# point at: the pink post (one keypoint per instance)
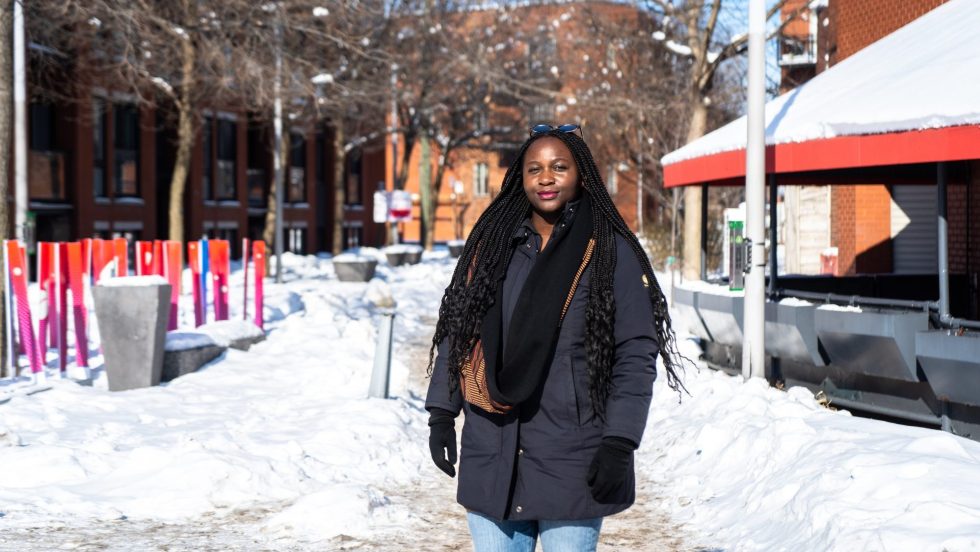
(245, 279)
(258, 256)
(18, 276)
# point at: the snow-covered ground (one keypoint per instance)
(279, 448)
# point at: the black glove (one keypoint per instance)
(610, 468)
(442, 439)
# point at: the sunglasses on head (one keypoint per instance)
(543, 128)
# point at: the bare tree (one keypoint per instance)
(171, 53)
(700, 33)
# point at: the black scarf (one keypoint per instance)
(515, 373)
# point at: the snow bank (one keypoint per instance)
(754, 468)
(286, 426)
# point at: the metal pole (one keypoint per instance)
(753, 354)
(773, 232)
(704, 232)
(20, 124)
(277, 160)
(381, 375)
(394, 142)
(943, 243)
(639, 182)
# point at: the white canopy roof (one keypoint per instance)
(925, 75)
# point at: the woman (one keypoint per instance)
(555, 294)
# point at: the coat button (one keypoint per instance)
(518, 509)
(520, 452)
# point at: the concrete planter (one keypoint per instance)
(133, 314)
(187, 352)
(951, 364)
(399, 255)
(791, 332)
(870, 341)
(722, 316)
(355, 270)
(456, 248)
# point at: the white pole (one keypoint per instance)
(277, 160)
(20, 124)
(753, 349)
(639, 182)
(381, 375)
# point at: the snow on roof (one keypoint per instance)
(922, 76)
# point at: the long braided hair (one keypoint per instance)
(473, 286)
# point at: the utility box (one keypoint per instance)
(737, 255)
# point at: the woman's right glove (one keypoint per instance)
(442, 440)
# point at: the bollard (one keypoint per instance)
(381, 375)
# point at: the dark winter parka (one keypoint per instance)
(531, 463)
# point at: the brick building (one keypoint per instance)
(479, 173)
(875, 227)
(100, 164)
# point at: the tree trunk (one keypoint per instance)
(692, 199)
(185, 143)
(6, 100)
(436, 188)
(269, 232)
(340, 160)
(425, 192)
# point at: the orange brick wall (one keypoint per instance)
(956, 216)
(858, 23)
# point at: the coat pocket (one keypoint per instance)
(578, 371)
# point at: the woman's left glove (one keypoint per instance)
(442, 440)
(610, 469)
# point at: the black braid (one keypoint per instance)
(469, 296)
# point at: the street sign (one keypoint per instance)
(380, 206)
(400, 207)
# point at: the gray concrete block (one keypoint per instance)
(186, 352)
(360, 270)
(456, 248)
(133, 314)
(236, 334)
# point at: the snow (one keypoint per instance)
(320, 11)
(183, 341)
(707, 287)
(322, 78)
(908, 80)
(226, 332)
(403, 248)
(285, 432)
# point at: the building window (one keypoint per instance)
(480, 180)
(612, 183)
(42, 127)
(352, 188)
(542, 113)
(207, 146)
(296, 192)
(353, 234)
(225, 183)
(257, 161)
(46, 165)
(296, 240)
(99, 147)
(126, 150)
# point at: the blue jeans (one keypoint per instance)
(520, 536)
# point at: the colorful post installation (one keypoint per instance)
(61, 303)
(220, 267)
(245, 279)
(121, 256)
(25, 327)
(173, 265)
(258, 260)
(194, 260)
(76, 284)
